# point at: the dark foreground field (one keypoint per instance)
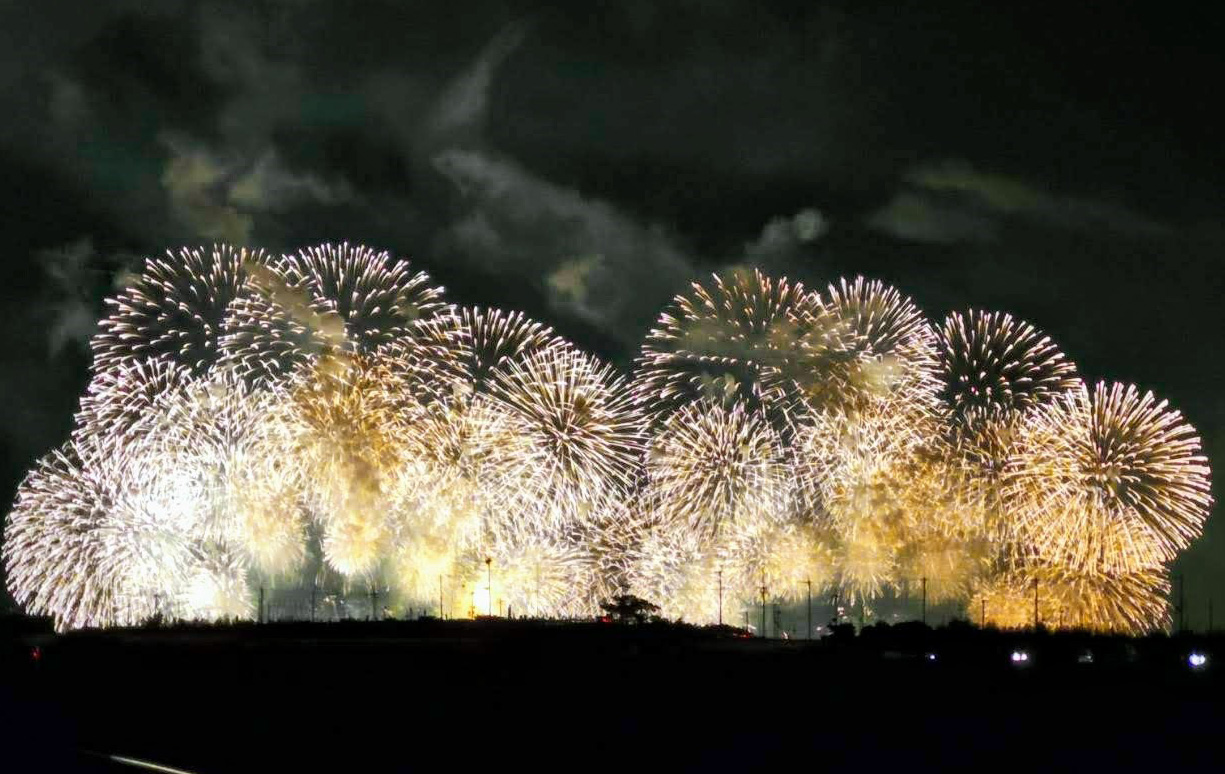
(512, 696)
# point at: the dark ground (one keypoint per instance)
(513, 696)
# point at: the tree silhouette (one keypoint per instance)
(627, 608)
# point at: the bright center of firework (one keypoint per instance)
(480, 600)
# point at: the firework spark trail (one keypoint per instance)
(326, 413)
(466, 346)
(784, 558)
(348, 444)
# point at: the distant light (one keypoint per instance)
(1197, 660)
(931, 656)
(1019, 657)
(1085, 658)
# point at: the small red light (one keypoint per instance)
(36, 653)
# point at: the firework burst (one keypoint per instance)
(577, 432)
(120, 399)
(324, 300)
(94, 539)
(712, 464)
(990, 362)
(1109, 481)
(175, 310)
(684, 573)
(735, 340)
(866, 343)
(324, 418)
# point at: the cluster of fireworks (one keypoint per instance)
(326, 419)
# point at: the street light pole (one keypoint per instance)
(720, 597)
(808, 582)
(489, 581)
(1035, 604)
(925, 601)
(763, 605)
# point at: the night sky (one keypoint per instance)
(582, 165)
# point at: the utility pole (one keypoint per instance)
(808, 582)
(261, 604)
(1035, 604)
(489, 580)
(924, 601)
(440, 596)
(720, 597)
(373, 596)
(763, 605)
(982, 621)
(314, 589)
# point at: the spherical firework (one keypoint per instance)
(734, 340)
(94, 537)
(215, 432)
(865, 343)
(424, 565)
(1132, 603)
(119, 401)
(175, 310)
(991, 362)
(582, 432)
(712, 464)
(611, 544)
(326, 299)
(1111, 481)
(464, 347)
(325, 414)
